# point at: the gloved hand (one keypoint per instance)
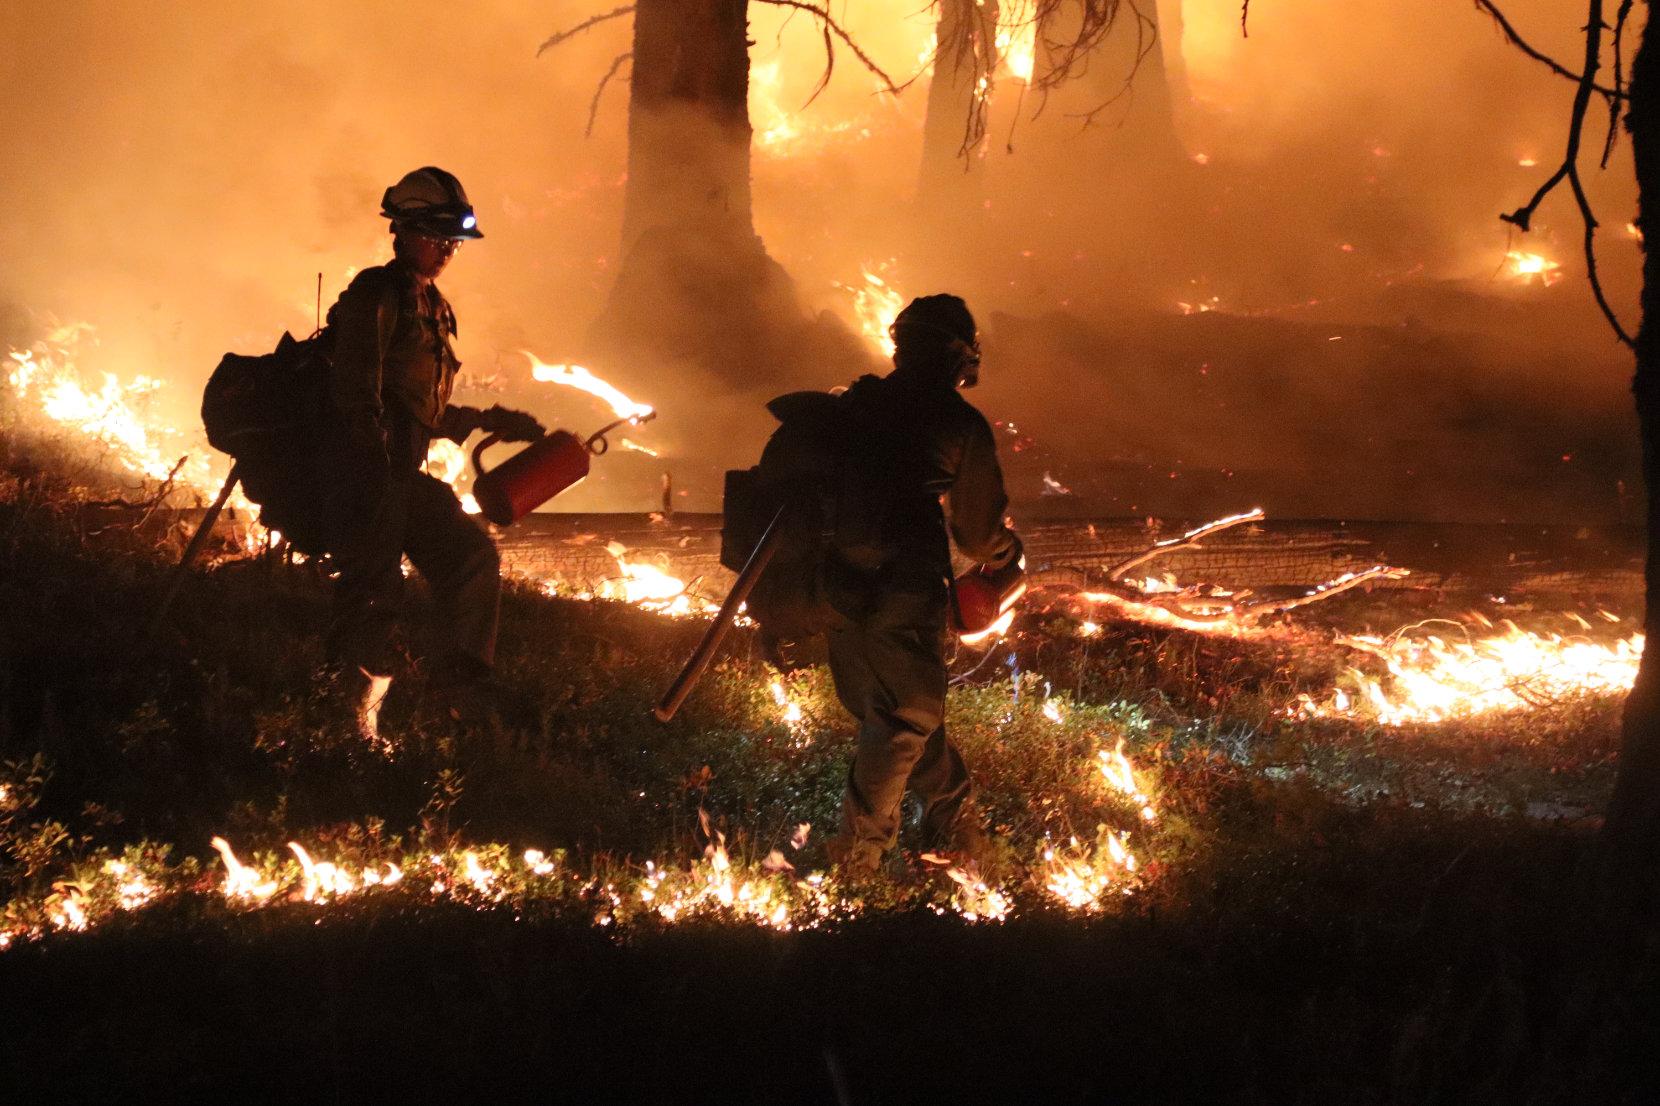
(510, 425)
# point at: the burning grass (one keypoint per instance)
(1170, 825)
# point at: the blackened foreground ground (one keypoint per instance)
(1393, 960)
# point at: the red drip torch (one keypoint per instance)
(538, 472)
(980, 597)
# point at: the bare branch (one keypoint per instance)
(1569, 169)
(593, 106)
(1519, 43)
(591, 21)
(1146, 41)
(829, 22)
(1245, 19)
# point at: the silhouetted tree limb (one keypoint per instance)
(593, 106)
(1521, 44)
(1569, 169)
(830, 26)
(591, 21)
(1245, 19)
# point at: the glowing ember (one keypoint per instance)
(575, 376)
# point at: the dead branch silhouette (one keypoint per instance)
(593, 105)
(591, 21)
(1522, 217)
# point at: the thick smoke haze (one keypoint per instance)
(1320, 198)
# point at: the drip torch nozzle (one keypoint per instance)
(597, 444)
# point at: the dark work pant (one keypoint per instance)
(420, 517)
(889, 670)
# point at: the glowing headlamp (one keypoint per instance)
(468, 222)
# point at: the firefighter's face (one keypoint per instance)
(427, 256)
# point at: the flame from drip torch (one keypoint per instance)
(582, 379)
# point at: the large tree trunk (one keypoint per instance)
(965, 54)
(1634, 815)
(1122, 89)
(688, 119)
(696, 286)
(1171, 29)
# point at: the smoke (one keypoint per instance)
(179, 174)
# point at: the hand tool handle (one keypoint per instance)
(204, 530)
(716, 633)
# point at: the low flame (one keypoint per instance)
(649, 587)
(1431, 679)
(792, 710)
(241, 881)
(765, 892)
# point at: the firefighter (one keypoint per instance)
(391, 374)
(887, 643)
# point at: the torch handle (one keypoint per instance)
(716, 633)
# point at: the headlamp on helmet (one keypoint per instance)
(430, 202)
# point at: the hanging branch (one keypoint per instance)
(591, 21)
(1245, 19)
(1569, 169)
(593, 106)
(1146, 41)
(828, 22)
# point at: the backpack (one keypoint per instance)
(257, 406)
(826, 467)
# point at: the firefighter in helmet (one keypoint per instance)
(887, 648)
(391, 374)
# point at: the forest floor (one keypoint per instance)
(1197, 893)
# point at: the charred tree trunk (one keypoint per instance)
(696, 285)
(688, 120)
(1633, 829)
